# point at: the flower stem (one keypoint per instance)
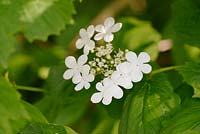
(34, 89)
(164, 70)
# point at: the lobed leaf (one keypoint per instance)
(149, 103)
(36, 19)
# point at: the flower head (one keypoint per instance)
(75, 69)
(85, 40)
(106, 30)
(119, 68)
(107, 90)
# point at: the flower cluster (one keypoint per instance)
(120, 69)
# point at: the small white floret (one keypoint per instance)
(106, 31)
(85, 41)
(107, 89)
(75, 68)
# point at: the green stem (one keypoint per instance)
(164, 69)
(34, 89)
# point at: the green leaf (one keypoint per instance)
(61, 104)
(186, 121)
(39, 128)
(191, 75)
(149, 103)
(35, 19)
(13, 114)
(184, 24)
(34, 113)
(50, 18)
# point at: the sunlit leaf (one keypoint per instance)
(35, 19)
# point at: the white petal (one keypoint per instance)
(107, 82)
(115, 75)
(90, 31)
(124, 67)
(90, 44)
(136, 75)
(118, 93)
(107, 100)
(125, 82)
(83, 33)
(99, 86)
(76, 78)
(146, 68)
(68, 74)
(108, 37)
(70, 62)
(131, 57)
(143, 57)
(90, 78)
(99, 36)
(79, 86)
(85, 69)
(80, 43)
(82, 59)
(96, 97)
(87, 85)
(109, 22)
(100, 29)
(86, 50)
(116, 27)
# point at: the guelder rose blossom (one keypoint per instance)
(85, 41)
(122, 79)
(85, 81)
(136, 66)
(107, 89)
(120, 69)
(106, 30)
(75, 68)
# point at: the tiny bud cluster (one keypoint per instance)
(120, 69)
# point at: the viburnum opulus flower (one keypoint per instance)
(85, 41)
(106, 31)
(107, 90)
(85, 81)
(120, 69)
(75, 69)
(136, 66)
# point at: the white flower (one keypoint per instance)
(107, 90)
(135, 66)
(85, 40)
(106, 30)
(75, 68)
(122, 79)
(85, 79)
